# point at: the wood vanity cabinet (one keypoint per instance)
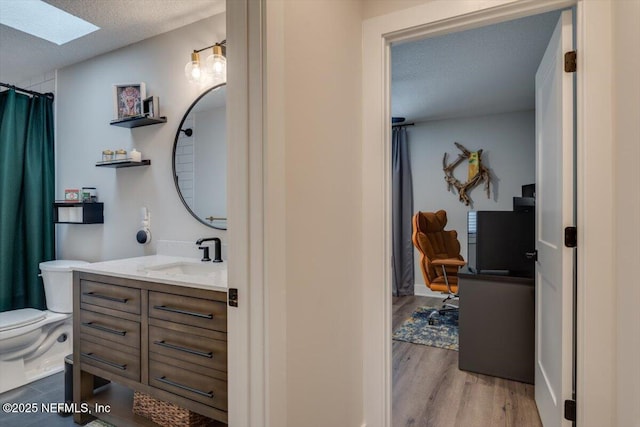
(167, 341)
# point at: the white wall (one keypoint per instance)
(84, 109)
(372, 8)
(43, 84)
(313, 75)
(508, 144)
(626, 89)
(326, 397)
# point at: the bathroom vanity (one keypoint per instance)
(156, 325)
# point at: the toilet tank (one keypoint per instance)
(58, 284)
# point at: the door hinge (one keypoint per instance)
(570, 410)
(233, 297)
(570, 62)
(571, 237)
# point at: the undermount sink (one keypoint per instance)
(185, 268)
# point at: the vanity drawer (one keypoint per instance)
(110, 296)
(194, 386)
(113, 359)
(191, 348)
(199, 312)
(110, 328)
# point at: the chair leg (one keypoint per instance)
(432, 317)
(446, 307)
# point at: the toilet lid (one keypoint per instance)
(17, 318)
(61, 265)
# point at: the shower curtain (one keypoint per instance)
(26, 197)
(401, 212)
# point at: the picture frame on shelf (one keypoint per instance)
(150, 107)
(128, 100)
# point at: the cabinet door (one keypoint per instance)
(189, 348)
(198, 312)
(120, 360)
(110, 296)
(195, 386)
(110, 328)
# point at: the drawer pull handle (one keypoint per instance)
(185, 349)
(177, 310)
(106, 362)
(164, 379)
(107, 297)
(103, 328)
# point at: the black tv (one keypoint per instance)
(498, 242)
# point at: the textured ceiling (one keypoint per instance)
(488, 70)
(121, 22)
(482, 71)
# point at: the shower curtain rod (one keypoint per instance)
(30, 92)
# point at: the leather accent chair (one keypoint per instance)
(440, 257)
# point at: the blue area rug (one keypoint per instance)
(417, 330)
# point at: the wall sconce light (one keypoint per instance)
(214, 68)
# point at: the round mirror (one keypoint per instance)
(200, 158)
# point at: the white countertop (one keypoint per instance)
(136, 268)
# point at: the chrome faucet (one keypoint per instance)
(217, 248)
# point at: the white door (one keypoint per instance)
(554, 212)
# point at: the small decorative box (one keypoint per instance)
(72, 195)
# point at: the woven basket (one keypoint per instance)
(168, 414)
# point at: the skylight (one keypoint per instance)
(42, 20)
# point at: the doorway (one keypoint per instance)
(593, 122)
(476, 88)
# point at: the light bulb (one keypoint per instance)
(192, 70)
(216, 64)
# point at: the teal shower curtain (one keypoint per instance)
(26, 197)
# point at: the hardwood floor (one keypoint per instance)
(430, 391)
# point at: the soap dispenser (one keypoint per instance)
(143, 236)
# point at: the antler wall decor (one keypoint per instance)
(481, 174)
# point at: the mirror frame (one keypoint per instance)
(173, 155)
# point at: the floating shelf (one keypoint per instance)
(78, 213)
(137, 121)
(127, 163)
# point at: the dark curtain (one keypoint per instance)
(401, 212)
(26, 197)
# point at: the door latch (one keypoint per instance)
(570, 62)
(232, 297)
(571, 237)
(570, 410)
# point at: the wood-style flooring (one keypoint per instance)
(430, 391)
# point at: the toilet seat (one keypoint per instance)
(18, 318)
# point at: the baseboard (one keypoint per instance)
(421, 289)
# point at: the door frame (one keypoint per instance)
(595, 304)
(245, 269)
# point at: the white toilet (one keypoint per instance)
(33, 343)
